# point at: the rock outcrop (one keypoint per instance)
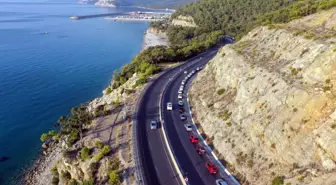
(268, 102)
(184, 21)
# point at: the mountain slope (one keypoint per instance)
(267, 102)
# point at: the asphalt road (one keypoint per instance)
(156, 162)
(190, 161)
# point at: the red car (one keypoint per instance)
(194, 139)
(213, 170)
(200, 150)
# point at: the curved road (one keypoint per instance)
(154, 157)
(191, 162)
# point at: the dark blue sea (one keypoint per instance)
(48, 64)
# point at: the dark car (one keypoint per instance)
(183, 117)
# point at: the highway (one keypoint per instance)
(154, 156)
(191, 162)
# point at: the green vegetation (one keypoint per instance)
(71, 126)
(114, 178)
(220, 91)
(99, 144)
(89, 182)
(85, 153)
(114, 164)
(108, 90)
(159, 25)
(55, 176)
(106, 150)
(278, 181)
(47, 136)
(66, 176)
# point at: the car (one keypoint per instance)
(193, 139)
(188, 127)
(183, 82)
(186, 78)
(198, 68)
(221, 182)
(169, 106)
(180, 92)
(181, 88)
(180, 96)
(185, 72)
(153, 125)
(193, 71)
(189, 75)
(200, 150)
(213, 170)
(183, 117)
(181, 110)
(180, 103)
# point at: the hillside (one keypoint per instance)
(267, 103)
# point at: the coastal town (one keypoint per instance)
(146, 16)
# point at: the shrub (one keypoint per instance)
(114, 178)
(220, 91)
(327, 81)
(66, 176)
(278, 181)
(93, 168)
(228, 124)
(89, 182)
(142, 80)
(114, 164)
(47, 136)
(106, 150)
(73, 137)
(55, 180)
(108, 90)
(85, 153)
(73, 182)
(54, 171)
(99, 144)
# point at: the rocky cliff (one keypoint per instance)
(184, 21)
(267, 102)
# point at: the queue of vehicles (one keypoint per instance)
(212, 168)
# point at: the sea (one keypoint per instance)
(49, 64)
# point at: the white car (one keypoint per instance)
(198, 68)
(169, 106)
(180, 103)
(180, 92)
(221, 182)
(185, 72)
(183, 82)
(181, 88)
(188, 127)
(180, 96)
(153, 125)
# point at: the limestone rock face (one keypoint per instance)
(117, 95)
(185, 21)
(268, 101)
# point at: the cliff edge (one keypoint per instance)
(267, 103)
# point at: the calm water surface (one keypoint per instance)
(48, 64)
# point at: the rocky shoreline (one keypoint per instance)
(40, 171)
